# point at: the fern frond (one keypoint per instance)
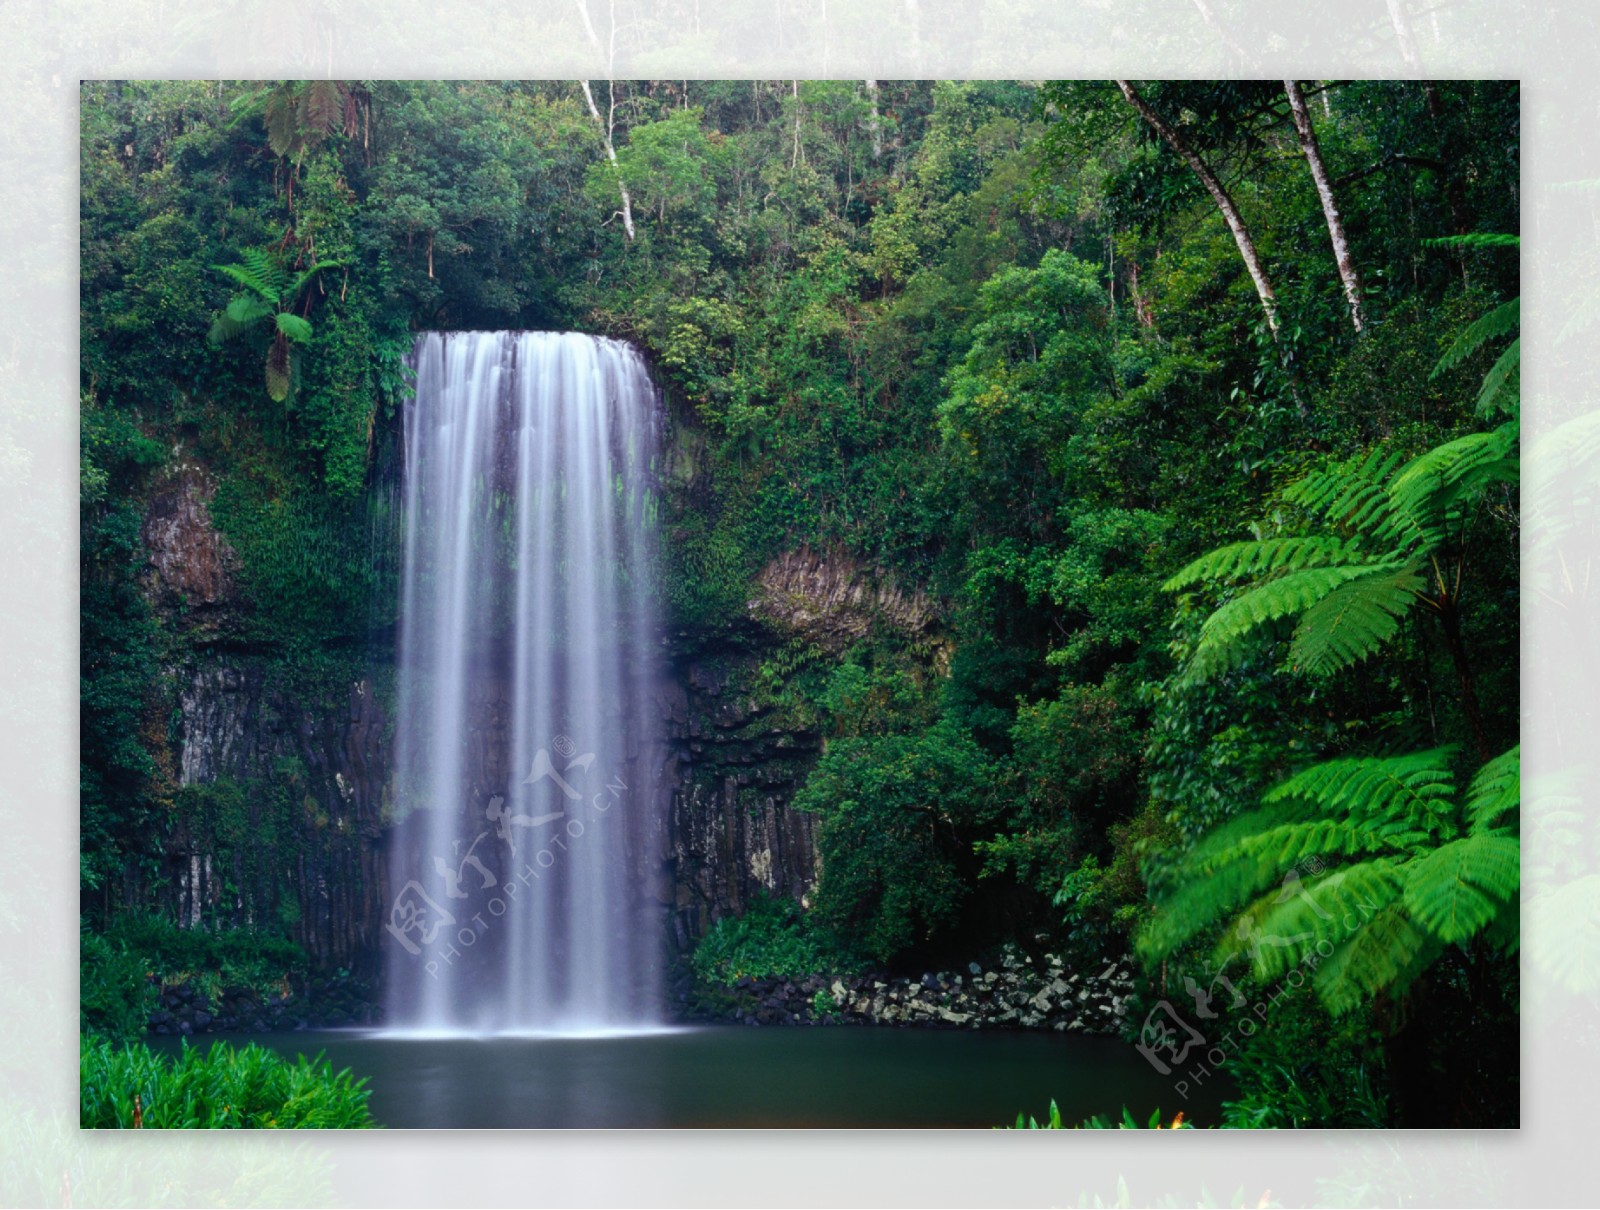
(258, 272)
(321, 108)
(222, 330)
(1351, 493)
(281, 120)
(1427, 492)
(1223, 634)
(1282, 929)
(295, 328)
(1502, 321)
(1385, 952)
(1245, 559)
(1495, 791)
(1502, 379)
(243, 309)
(1473, 239)
(303, 278)
(1354, 620)
(1458, 888)
(1416, 788)
(1216, 882)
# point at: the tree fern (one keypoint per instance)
(1348, 590)
(1502, 321)
(1372, 864)
(1457, 889)
(1500, 384)
(1354, 619)
(271, 290)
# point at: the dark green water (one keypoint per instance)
(749, 1077)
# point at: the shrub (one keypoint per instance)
(773, 937)
(218, 1088)
(114, 995)
(1098, 1122)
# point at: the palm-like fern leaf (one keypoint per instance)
(1282, 928)
(1416, 788)
(1349, 591)
(1501, 383)
(1473, 239)
(1457, 889)
(1246, 559)
(1398, 875)
(1354, 619)
(1429, 492)
(294, 327)
(1501, 321)
(1496, 793)
(260, 272)
(1351, 494)
(1223, 635)
(1384, 954)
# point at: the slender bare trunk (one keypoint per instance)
(795, 158)
(608, 124)
(1230, 213)
(1348, 275)
(606, 127)
(1209, 16)
(1404, 36)
(875, 124)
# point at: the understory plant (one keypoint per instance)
(772, 938)
(130, 1086)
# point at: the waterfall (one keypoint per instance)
(524, 846)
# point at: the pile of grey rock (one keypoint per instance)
(1017, 992)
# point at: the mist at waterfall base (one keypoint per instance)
(525, 861)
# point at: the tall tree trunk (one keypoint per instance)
(1215, 25)
(1404, 36)
(875, 123)
(1330, 207)
(1230, 213)
(794, 160)
(608, 124)
(611, 153)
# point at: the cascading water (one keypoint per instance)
(521, 862)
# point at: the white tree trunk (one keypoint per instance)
(1219, 195)
(1209, 16)
(875, 124)
(608, 124)
(611, 153)
(1348, 275)
(795, 158)
(1404, 36)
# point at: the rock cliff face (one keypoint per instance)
(191, 566)
(733, 831)
(720, 779)
(833, 600)
(742, 758)
(325, 752)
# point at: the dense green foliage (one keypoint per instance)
(136, 954)
(1187, 553)
(772, 937)
(217, 1088)
(1099, 1121)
